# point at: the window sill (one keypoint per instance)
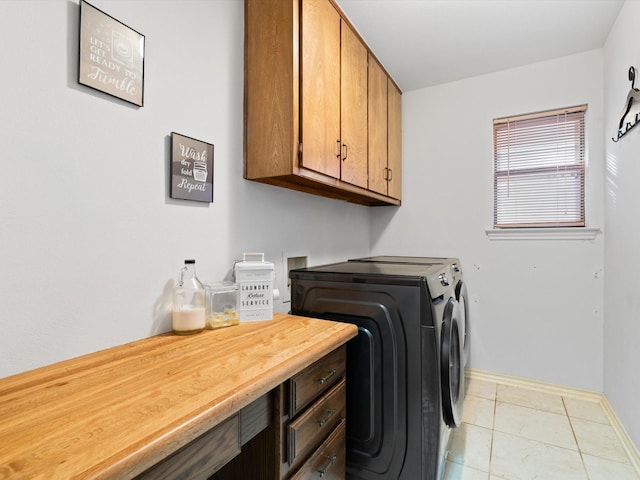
(569, 233)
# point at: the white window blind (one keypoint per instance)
(539, 169)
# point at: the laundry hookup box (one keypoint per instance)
(254, 278)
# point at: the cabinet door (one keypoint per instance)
(394, 160)
(320, 87)
(377, 93)
(353, 108)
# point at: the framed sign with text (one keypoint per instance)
(111, 55)
(191, 169)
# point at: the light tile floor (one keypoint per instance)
(511, 433)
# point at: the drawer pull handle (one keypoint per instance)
(321, 423)
(323, 470)
(324, 379)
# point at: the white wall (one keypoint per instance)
(90, 242)
(535, 306)
(622, 254)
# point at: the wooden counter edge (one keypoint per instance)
(149, 454)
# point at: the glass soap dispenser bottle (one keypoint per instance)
(188, 314)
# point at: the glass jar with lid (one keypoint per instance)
(222, 305)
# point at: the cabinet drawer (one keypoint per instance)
(329, 461)
(201, 458)
(308, 431)
(316, 379)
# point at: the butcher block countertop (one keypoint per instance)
(114, 413)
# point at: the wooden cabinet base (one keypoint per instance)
(329, 461)
(257, 461)
(202, 457)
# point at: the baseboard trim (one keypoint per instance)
(588, 395)
(625, 439)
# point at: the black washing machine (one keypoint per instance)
(405, 373)
(459, 286)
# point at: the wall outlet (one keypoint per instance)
(292, 264)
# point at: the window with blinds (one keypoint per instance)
(539, 169)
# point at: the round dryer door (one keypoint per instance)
(463, 300)
(451, 365)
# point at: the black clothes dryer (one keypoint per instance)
(405, 374)
(458, 284)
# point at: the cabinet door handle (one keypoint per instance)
(329, 374)
(324, 469)
(339, 148)
(390, 175)
(385, 175)
(345, 150)
(323, 422)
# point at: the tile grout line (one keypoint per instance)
(518, 435)
(575, 437)
(633, 454)
(493, 428)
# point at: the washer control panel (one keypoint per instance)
(439, 282)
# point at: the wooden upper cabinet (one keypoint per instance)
(271, 83)
(353, 108)
(320, 87)
(306, 104)
(333, 95)
(394, 150)
(385, 133)
(377, 124)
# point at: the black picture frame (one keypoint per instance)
(191, 168)
(111, 55)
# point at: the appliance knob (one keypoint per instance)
(443, 279)
(456, 268)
